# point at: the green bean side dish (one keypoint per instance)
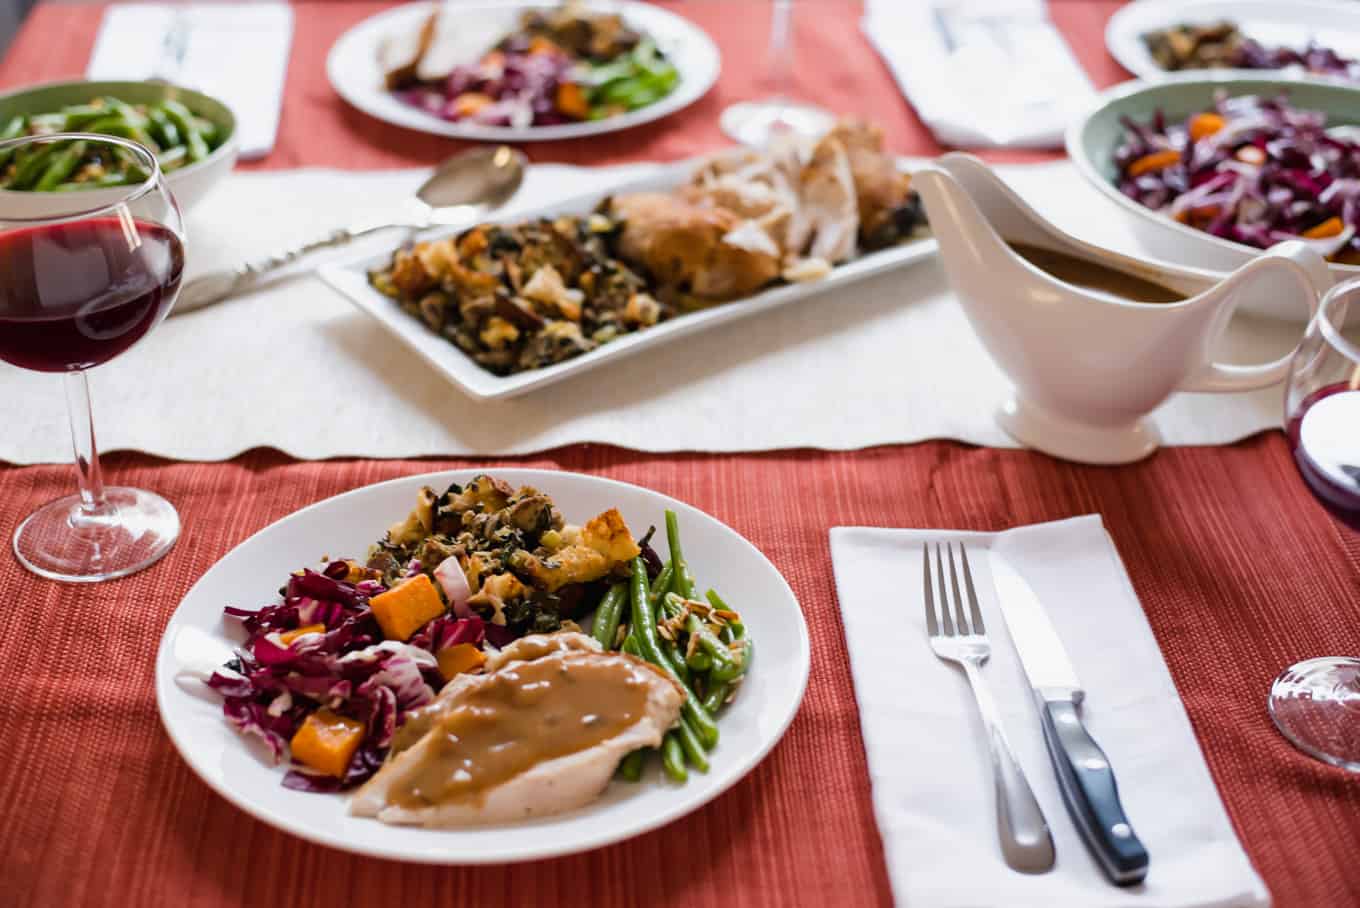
(701, 644)
(167, 128)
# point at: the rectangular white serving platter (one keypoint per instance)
(350, 278)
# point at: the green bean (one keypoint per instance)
(678, 661)
(682, 583)
(188, 129)
(606, 626)
(693, 747)
(644, 627)
(716, 697)
(116, 125)
(60, 168)
(81, 115)
(12, 130)
(699, 661)
(630, 646)
(163, 130)
(673, 757)
(630, 767)
(102, 182)
(662, 584)
(33, 166)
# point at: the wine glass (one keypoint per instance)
(1316, 703)
(755, 123)
(84, 275)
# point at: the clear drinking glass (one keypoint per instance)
(755, 123)
(84, 274)
(1316, 703)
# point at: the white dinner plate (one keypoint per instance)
(1281, 23)
(198, 638)
(351, 279)
(354, 71)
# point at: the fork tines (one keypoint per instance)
(960, 623)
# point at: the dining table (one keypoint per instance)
(1240, 571)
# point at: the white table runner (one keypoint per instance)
(295, 367)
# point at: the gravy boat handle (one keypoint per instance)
(1310, 270)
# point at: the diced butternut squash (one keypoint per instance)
(1328, 228)
(541, 45)
(287, 637)
(571, 100)
(459, 658)
(469, 102)
(405, 609)
(326, 742)
(1205, 124)
(1158, 160)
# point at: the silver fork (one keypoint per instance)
(1026, 842)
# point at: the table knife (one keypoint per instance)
(1084, 774)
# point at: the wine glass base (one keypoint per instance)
(61, 542)
(1316, 705)
(755, 123)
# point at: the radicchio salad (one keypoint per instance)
(1250, 169)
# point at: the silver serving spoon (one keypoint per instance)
(462, 189)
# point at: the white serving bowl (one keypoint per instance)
(1092, 139)
(188, 184)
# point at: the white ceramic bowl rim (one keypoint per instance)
(1133, 87)
(132, 194)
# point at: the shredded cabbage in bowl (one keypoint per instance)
(1251, 169)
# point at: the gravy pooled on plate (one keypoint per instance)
(1092, 276)
(527, 714)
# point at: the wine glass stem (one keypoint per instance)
(781, 47)
(88, 476)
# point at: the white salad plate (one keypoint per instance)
(198, 638)
(350, 278)
(355, 73)
(1291, 23)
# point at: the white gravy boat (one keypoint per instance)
(1088, 366)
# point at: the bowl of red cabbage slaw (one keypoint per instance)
(1213, 168)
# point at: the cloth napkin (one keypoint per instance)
(237, 52)
(928, 762)
(981, 72)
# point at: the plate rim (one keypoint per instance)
(164, 680)
(687, 93)
(1131, 18)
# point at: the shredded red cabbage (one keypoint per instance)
(522, 87)
(271, 687)
(1271, 173)
(1314, 58)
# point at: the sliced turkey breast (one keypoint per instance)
(540, 733)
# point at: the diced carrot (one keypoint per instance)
(469, 102)
(1205, 124)
(459, 658)
(493, 60)
(1250, 154)
(287, 637)
(1330, 227)
(405, 609)
(571, 100)
(541, 45)
(327, 742)
(1158, 160)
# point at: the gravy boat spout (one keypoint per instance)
(1065, 322)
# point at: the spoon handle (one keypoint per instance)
(216, 286)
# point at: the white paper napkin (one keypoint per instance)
(237, 52)
(981, 72)
(931, 776)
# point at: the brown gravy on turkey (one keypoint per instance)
(1090, 276)
(532, 712)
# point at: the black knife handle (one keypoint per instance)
(1092, 797)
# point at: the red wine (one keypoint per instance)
(1325, 436)
(74, 295)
